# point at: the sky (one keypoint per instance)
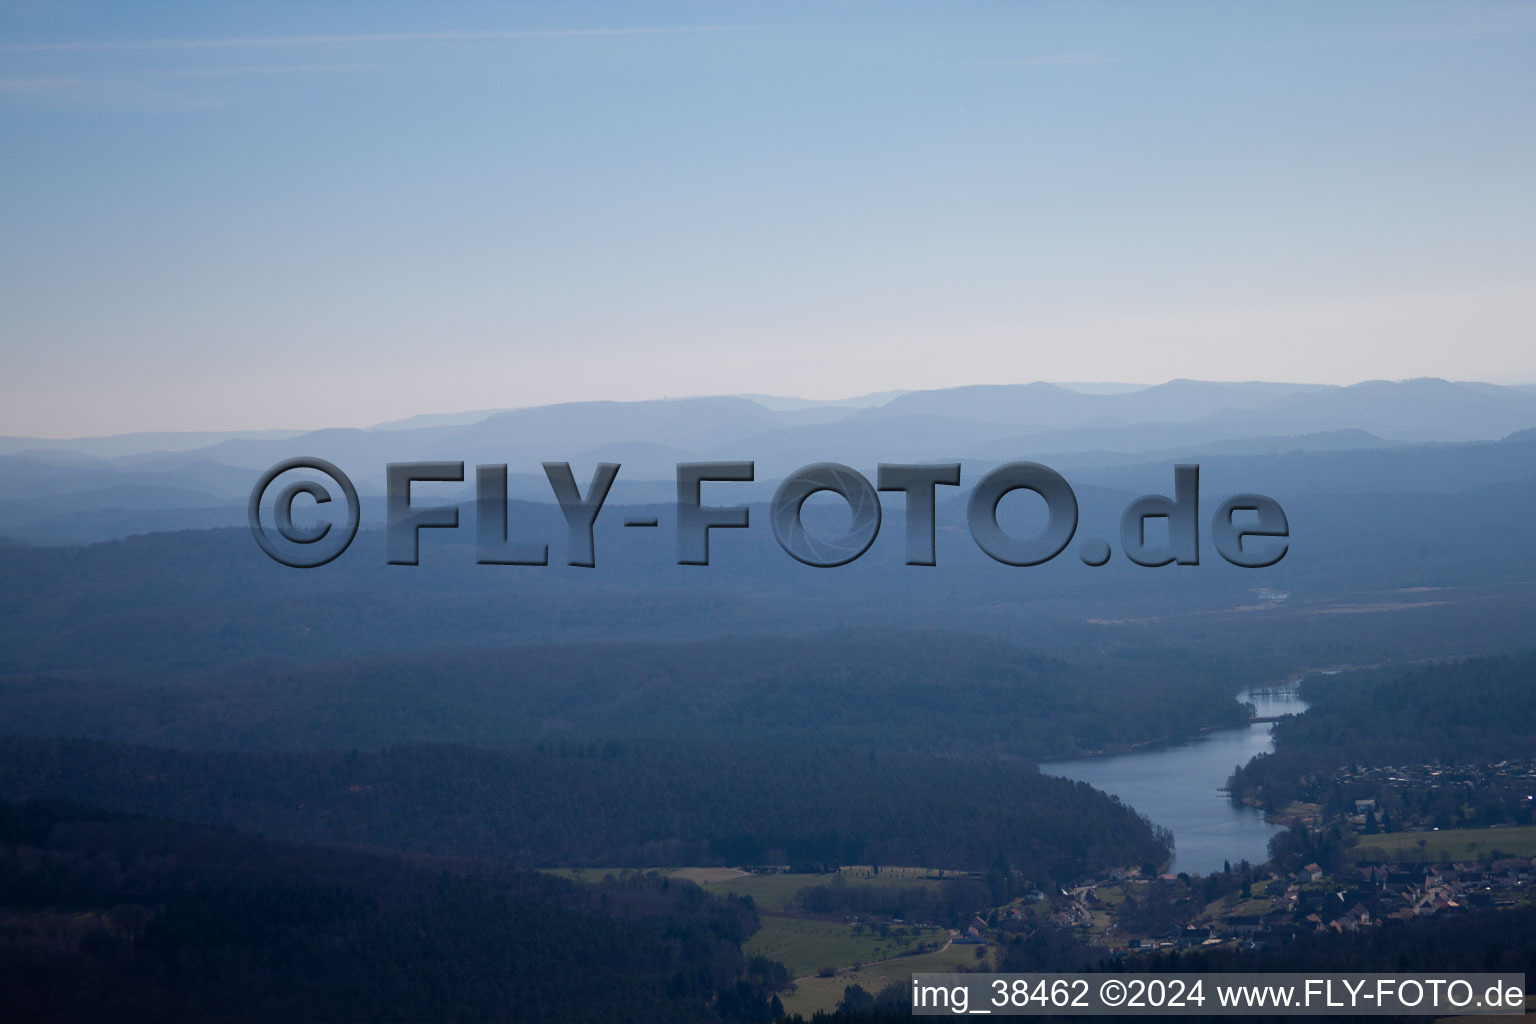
(291, 215)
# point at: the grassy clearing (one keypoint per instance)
(814, 994)
(771, 893)
(588, 874)
(805, 945)
(1233, 905)
(709, 876)
(1447, 844)
(776, 893)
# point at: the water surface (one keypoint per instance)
(1178, 786)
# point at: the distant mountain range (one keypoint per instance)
(135, 482)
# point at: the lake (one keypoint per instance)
(1179, 786)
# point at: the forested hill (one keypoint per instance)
(151, 921)
(614, 803)
(920, 691)
(1474, 711)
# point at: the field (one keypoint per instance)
(772, 893)
(776, 893)
(812, 994)
(1447, 844)
(806, 945)
(588, 874)
(709, 876)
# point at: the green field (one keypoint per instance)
(1447, 844)
(771, 893)
(805, 945)
(593, 874)
(776, 893)
(708, 876)
(812, 994)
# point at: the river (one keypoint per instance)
(1179, 786)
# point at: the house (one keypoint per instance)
(1194, 936)
(1311, 873)
(1248, 924)
(1354, 918)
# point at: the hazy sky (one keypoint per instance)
(260, 214)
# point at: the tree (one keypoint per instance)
(856, 1000)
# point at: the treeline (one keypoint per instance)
(1469, 712)
(914, 691)
(615, 802)
(106, 917)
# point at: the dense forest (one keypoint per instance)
(152, 608)
(108, 917)
(1469, 712)
(910, 691)
(615, 802)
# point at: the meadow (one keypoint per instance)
(808, 945)
(812, 994)
(1447, 844)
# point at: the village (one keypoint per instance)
(1127, 914)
